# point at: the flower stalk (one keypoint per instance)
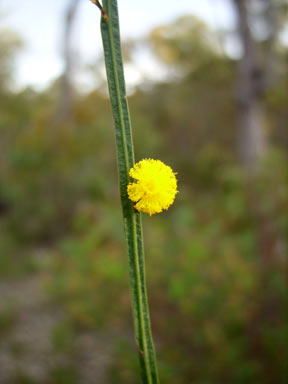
(132, 219)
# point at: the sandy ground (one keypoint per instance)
(27, 354)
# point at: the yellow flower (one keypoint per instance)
(154, 188)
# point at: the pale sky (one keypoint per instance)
(39, 23)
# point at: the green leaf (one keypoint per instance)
(132, 219)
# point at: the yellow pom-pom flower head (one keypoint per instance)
(154, 187)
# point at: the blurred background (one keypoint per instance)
(207, 85)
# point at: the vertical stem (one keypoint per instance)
(132, 219)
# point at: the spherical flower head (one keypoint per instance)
(154, 187)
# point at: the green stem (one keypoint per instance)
(132, 219)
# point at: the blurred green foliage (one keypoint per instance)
(215, 261)
(63, 375)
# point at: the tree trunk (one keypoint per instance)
(256, 74)
(66, 101)
(252, 140)
(249, 92)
